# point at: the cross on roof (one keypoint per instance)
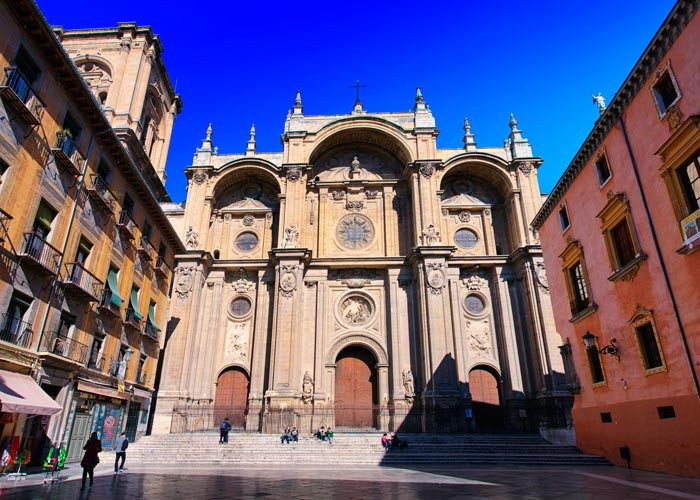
(357, 88)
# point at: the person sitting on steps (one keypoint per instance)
(329, 436)
(294, 434)
(386, 442)
(398, 443)
(321, 433)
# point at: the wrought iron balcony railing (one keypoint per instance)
(146, 250)
(59, 344)
(107, 305)
(40, 253)
(151, 331)
(577, 305)
(132, 319)
(15, 331)
(98, 191)
(67, 154)
(83, 282)
(21, 97)
(127, 225)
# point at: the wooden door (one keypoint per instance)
(486, 403)
(231, 397)
(78, 436)
(355, 388)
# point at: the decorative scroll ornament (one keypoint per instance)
(307, 388)
(248, 220)
(526, 167)
(199, 178)
(431, 236)
(291, 236)
(185, 280)
(239, 281)
(288, 280)
(293, 174)
(355, 278)
(475, 282)
(338, 195)
(355, 206)
(426, 170)
(371, 194)
(408, 387)
(464, 216)
(541, 275)
(435, 278)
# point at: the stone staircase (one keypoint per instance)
(356, 449)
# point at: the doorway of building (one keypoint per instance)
(356, 389)
(78, 435)
(132, 420)
(231, 397)
(487, 411)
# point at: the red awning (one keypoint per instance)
(20, 394)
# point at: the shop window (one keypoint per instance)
(602, 169)
(647, 339)
(580, 300)
(665, 91)
(564, 218)
(620, 238)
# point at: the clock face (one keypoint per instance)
(355, 231)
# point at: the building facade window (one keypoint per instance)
(596, 366)
(577, 284)
(43, 220)
(95, 360)
(665, 90)
(602, 169)
(564, 218)
(466, 238)
(689, 178)
(620, 238)
(647, 340)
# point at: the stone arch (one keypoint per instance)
(239, 170)
(486, 167)
(365, 130)
(233, 365)
(487, 365)
(361, 340)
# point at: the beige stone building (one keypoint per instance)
(361, 278)
(86, 252)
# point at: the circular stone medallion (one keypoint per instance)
(355, 231)
(355, 310)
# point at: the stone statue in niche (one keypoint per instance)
(291, 236)
(307, 388)
(355, 168)
(355, 310)
(191, 238)
(408, 388)
(431, 236)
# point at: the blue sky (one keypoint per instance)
(236, 63)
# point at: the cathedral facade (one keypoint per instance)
(361, 278)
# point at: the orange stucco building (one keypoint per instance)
(620, 237)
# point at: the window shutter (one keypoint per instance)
(135, 303)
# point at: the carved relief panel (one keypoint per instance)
(239, 287)
(356, 300)
(479, 334)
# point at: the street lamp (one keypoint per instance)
(611, 349)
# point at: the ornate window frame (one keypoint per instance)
(241, 233)
(487, 306)
(682, 147)
(571, 257)
(472, 229)
(660, 73)
(245, 316)
(642, 317)
(616, 211)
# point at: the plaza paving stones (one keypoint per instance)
(213, 483)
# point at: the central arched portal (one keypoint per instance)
(355, 388)
(231, 397)
(484, 387)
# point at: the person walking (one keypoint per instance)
(122, 445)
(224, 428)
(90, 459)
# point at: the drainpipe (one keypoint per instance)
(65, 238)
(688, 354)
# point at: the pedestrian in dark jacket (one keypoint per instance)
(223, 431)
(122, 445)
(90, 459)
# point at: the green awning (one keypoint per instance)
(152, 314)
(135, 303)
(85, 246)
(114, 299)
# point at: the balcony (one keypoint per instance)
(20, 97)
(15, 331)
(4, 218)
(152, 331)
(99, 192)
(162, 268)
(146, 250)
(60, 345)
(107, 303)
(67, 155)
(82, 282)
(96, 363)
(126, 225)
(132, 319)
(40, 254)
